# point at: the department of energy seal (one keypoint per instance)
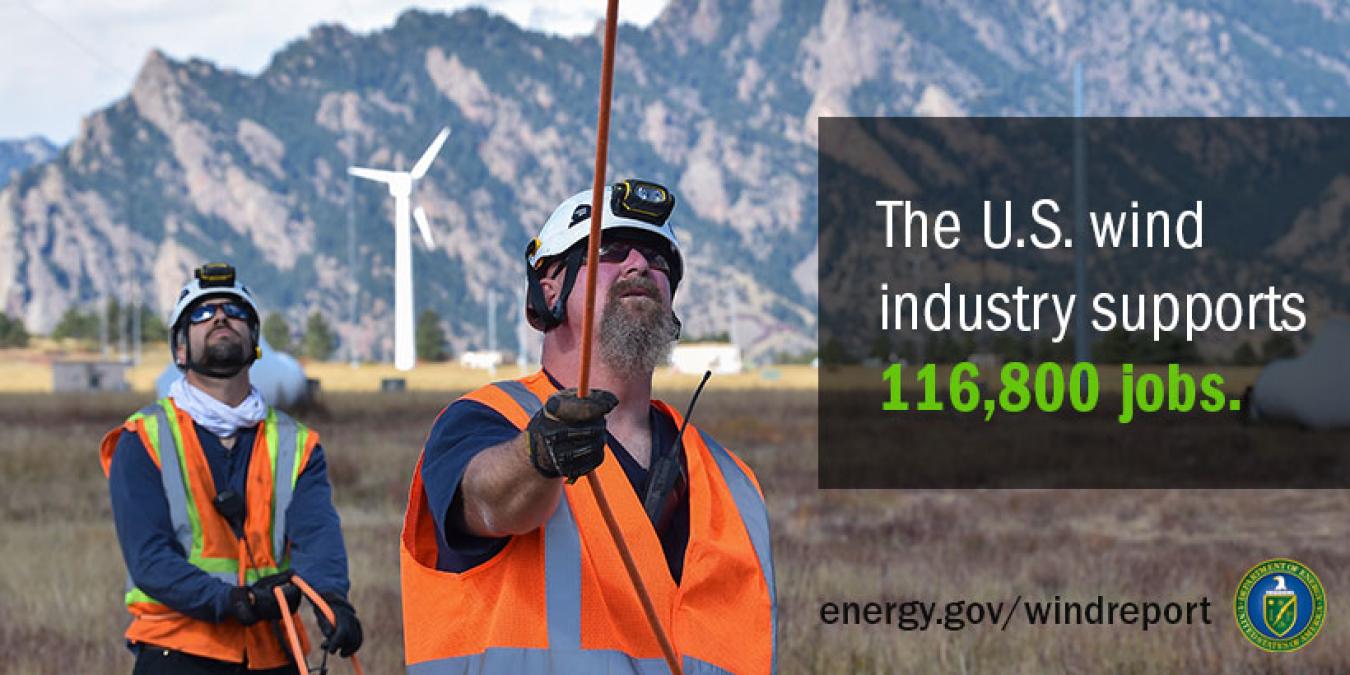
(1280, 605)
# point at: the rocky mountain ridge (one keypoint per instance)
(718, 99)
(17, 155)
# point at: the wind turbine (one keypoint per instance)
(400, 186)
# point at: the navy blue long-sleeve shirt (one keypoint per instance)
(158, 564)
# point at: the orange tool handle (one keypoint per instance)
(327, 611)
(288, 621)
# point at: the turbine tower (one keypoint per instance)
(400, 186)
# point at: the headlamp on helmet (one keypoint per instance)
(641, 200)
(215, 275)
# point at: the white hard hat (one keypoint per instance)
(210, 280)
(637, 205)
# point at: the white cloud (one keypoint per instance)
(61, 60)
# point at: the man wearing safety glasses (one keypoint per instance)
(507, 564)
(218, 500)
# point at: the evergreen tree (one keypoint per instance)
(1012, 347)
(12, 332)
(833, 353)
(1244, 355)
(320, 341)
(75, 325)
(880, 348)
(430, 338)
(80, 326)
(1278, 346)
(1122, 346)
(152, 326)
(277, 332)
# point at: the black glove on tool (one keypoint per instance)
(345, 637)
(254, 603)
(241, 606)
(265, 602)
(567, 435)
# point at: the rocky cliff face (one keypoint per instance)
(718, 99)
(17, 155)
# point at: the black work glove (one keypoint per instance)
(241, 606)
(265, 601)
(345, 637)
(567, 435)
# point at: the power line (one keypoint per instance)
(88, 51)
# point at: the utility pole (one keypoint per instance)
(492, 333)
(136, 318)
(521, 334)
(120, 322)
(734, 303)
(353, 284)
(1082, 350)
(914, 266)
(103, 325)
(123, 297)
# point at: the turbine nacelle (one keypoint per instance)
(400, 182)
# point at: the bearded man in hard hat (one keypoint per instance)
(218, 500)
(507, 565)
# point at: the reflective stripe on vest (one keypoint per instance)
(507, 661)
(562, 588)
(522, 395)
(756, 518)
(285, 445)
(173, 477)
(284, 438)
(562, 550)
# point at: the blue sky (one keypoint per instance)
(63, 59)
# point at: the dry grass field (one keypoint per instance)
(62, 574)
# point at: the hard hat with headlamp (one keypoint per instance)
(212, 280)
(638, 210)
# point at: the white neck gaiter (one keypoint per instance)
(220, 419)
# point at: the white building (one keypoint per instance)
(720, 357)
(484, 360)
(68, 376)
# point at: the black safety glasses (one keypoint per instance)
(233, 310)
(617, 250)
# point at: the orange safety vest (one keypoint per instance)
(556, 599)
(282, 449)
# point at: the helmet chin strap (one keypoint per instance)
(551, 317)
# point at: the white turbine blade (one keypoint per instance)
(420, 168)
(423, 226)
(372, 174)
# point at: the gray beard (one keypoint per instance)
(635, 339)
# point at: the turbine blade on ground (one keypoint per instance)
(423, 226)
(420, 168)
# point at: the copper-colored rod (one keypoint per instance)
(667, 649)
(592, 262)
(598, 193)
